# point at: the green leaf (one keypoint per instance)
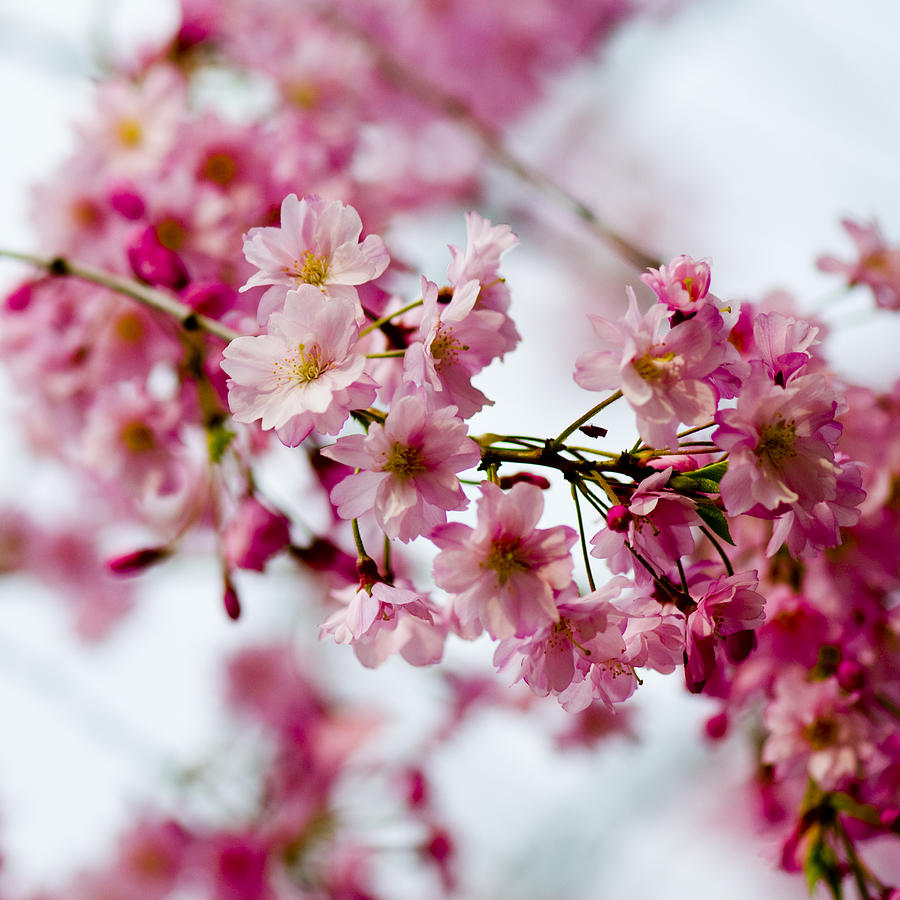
(217, 440)
(821, 864)
(689, 484)
(715, 518)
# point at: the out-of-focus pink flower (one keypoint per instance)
(812, 725)
(254, 534)
(381, 619)
(408, 467)
(303, 374)
(503, 573)
(877, 265)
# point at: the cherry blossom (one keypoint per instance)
(304, 373)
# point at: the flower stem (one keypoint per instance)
(586, 418)
(385, 319)
(182, 313)
(584, 549)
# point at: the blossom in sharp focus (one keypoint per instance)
(407, 467)
(303, 374)
(683, 284)
(503, 573)
(663, 372)
(780, 442)
(455, 341)
(317, 244)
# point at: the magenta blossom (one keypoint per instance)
(503, 573)
(407, 467)
(303, 374)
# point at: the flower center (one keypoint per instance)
(505, 558)
(129, 132)
(302, 368)
(220, 168)
(821, 734)
(309, 269)
(404, 462)
(654, 364)
(137, 437)
(445, 347)
(776, 442)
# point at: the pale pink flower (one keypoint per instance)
(808, 529)
(814, 727)
(588, 629)
(503, 573)
(780, 442)
(408, 467)
(655, 523)
(682, 284)
(381, 619)
(654, 637)
(877, 266)
(455, 342)
(782, 343)
(303, 374)
(135, 124)
(317, 244)
(485, 244)
(663, 372)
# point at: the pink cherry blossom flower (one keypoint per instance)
(657, 526)
(681, 285)
(317, 244)
(303, 374)
(408, 467)
(503, 573)
(381, 619)
(588, 628)
(782, 343)
(728, 606)
(814, 727)
(254, 534)
(654, 638)
(455, 342)
(663, 372)
(877, 266)
(780, 442)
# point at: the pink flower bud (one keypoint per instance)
(254, 535)
(232, 603)
(507, 481)
(210, 298)
(618, 517)
(851, 676)
(127, 203)
(155, 264)
(135, 562)
(20, 298)
(717, 726)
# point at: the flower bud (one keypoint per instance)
(254, 535)
(717, 726)
(135, 562)
(155, 264)
(850, 676)
(231, 602)
(618, 517)
(507, 481)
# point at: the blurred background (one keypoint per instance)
(737, 132)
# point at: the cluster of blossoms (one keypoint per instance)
(747, 540)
